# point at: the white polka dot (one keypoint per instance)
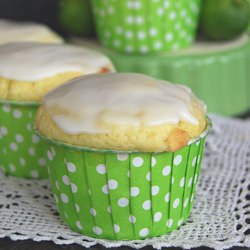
(31, 151)
(64, 198)
(172, 15)
(12, 168)
(71, 167)
(53, 151)
(157, 216)
(128, 174)
(107, 33)
(194, 161)
(129, 19)
(6, 108)
(137, 162)
(148, 176)
(117, 43)
(132, 218)
(77, 208)
(144, 232)
(112, 184)
(170, 223)
(30, 114)
(166, 4)
(116, 228)
(177, 26)
(186, 202)
(13, 146)
(4, 151)
(192, 198)
(197, 143)
(93, 211)
(123, 202)
(166, 170)
(17, 114)
(176, 203)
(134, 191)
(155, 190)
(19, 138)
(34, 174)
(129, 34)
(183, 13)
(169, 37)
(195, 178)
(119, 30)
(101, 169)
(122, 157)
(97, 230)
(190, 182)
(89, 191)
(35, 139)
(56, 198)
(139, 20)
(57, 185)
(42, 162)
(153, 31)
(143, 49)
(153, 161)
(160, 12)
(158, 45)
(129, 48)
(78, 225)
(4, 131)
(66, 215)
(110, 10)
(177, 160)
(105, 189)
(66, 180)
(146, 205)
(167, 197)
(74, 188)
(22, 161)
(109, 209)
(172, 180)
(29, 127)
(180, 222)
(182, 182)
(50, 156)
(199, 159)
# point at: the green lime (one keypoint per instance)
(224, 19)
(76, 17)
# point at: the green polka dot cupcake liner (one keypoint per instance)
(142, 26)
(123, 195)
(20, 148)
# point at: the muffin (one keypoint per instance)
(146, 26)
(11, 31)
(123, 152)
(27, 72)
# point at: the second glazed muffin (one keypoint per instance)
(27, 72)
(123, 152)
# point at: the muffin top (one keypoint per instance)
(122, 111)
(11, 31)
(34, 61)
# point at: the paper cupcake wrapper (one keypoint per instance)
(143, 26)
(119, 195)
(20, 148)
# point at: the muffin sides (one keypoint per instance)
(11, 31)
(122, 111)
(30, 70)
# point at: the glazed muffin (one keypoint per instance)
(11, 31)
(30, 70)
(127, 114)
(27, 72)
(123, 152)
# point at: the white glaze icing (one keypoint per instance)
(11, 31)
(125, 99)
(34, 61)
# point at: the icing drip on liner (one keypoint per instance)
(88, 104)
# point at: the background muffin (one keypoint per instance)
(111, 184)
(11, 31)
(27, 72)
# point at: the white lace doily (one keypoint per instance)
(220, 218)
